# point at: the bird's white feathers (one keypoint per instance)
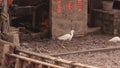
(67, 36)
(115, 39)
(64, 37)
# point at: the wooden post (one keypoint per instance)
(5, 17)
(39, 66)
(56, 63)
(25, 63)
(30, 65)
(6, 49)
(5, 6)
(16, 39)
(17, 64)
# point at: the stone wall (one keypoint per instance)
(67, 19)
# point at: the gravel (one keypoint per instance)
(99, 59)
(108, 59)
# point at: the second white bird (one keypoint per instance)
(115, 39)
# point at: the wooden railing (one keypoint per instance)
(35, 60)
(58, 61)
(23, 62)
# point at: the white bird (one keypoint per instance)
(115, 39)
(67, 36)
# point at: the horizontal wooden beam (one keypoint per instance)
(85, 51)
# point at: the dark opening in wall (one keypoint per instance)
(33, 15)
(116, 5)
(93, 4)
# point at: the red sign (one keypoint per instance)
(69, 5)
(79, 5)
(0, 1)
(9, 2)
(59, 8)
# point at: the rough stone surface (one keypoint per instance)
(66, 20)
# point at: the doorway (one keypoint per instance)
(93, 4)
(93, 22)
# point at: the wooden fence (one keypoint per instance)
(35, 60)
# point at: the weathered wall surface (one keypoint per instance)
(67, 18)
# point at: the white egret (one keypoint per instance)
(115, 39)
(67, 36)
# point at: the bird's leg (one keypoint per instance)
(63, 45)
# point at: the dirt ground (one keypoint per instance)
(108, 59)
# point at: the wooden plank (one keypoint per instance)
(85, 51)
(33, 60)
(83, 65)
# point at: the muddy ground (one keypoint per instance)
(108, 59)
